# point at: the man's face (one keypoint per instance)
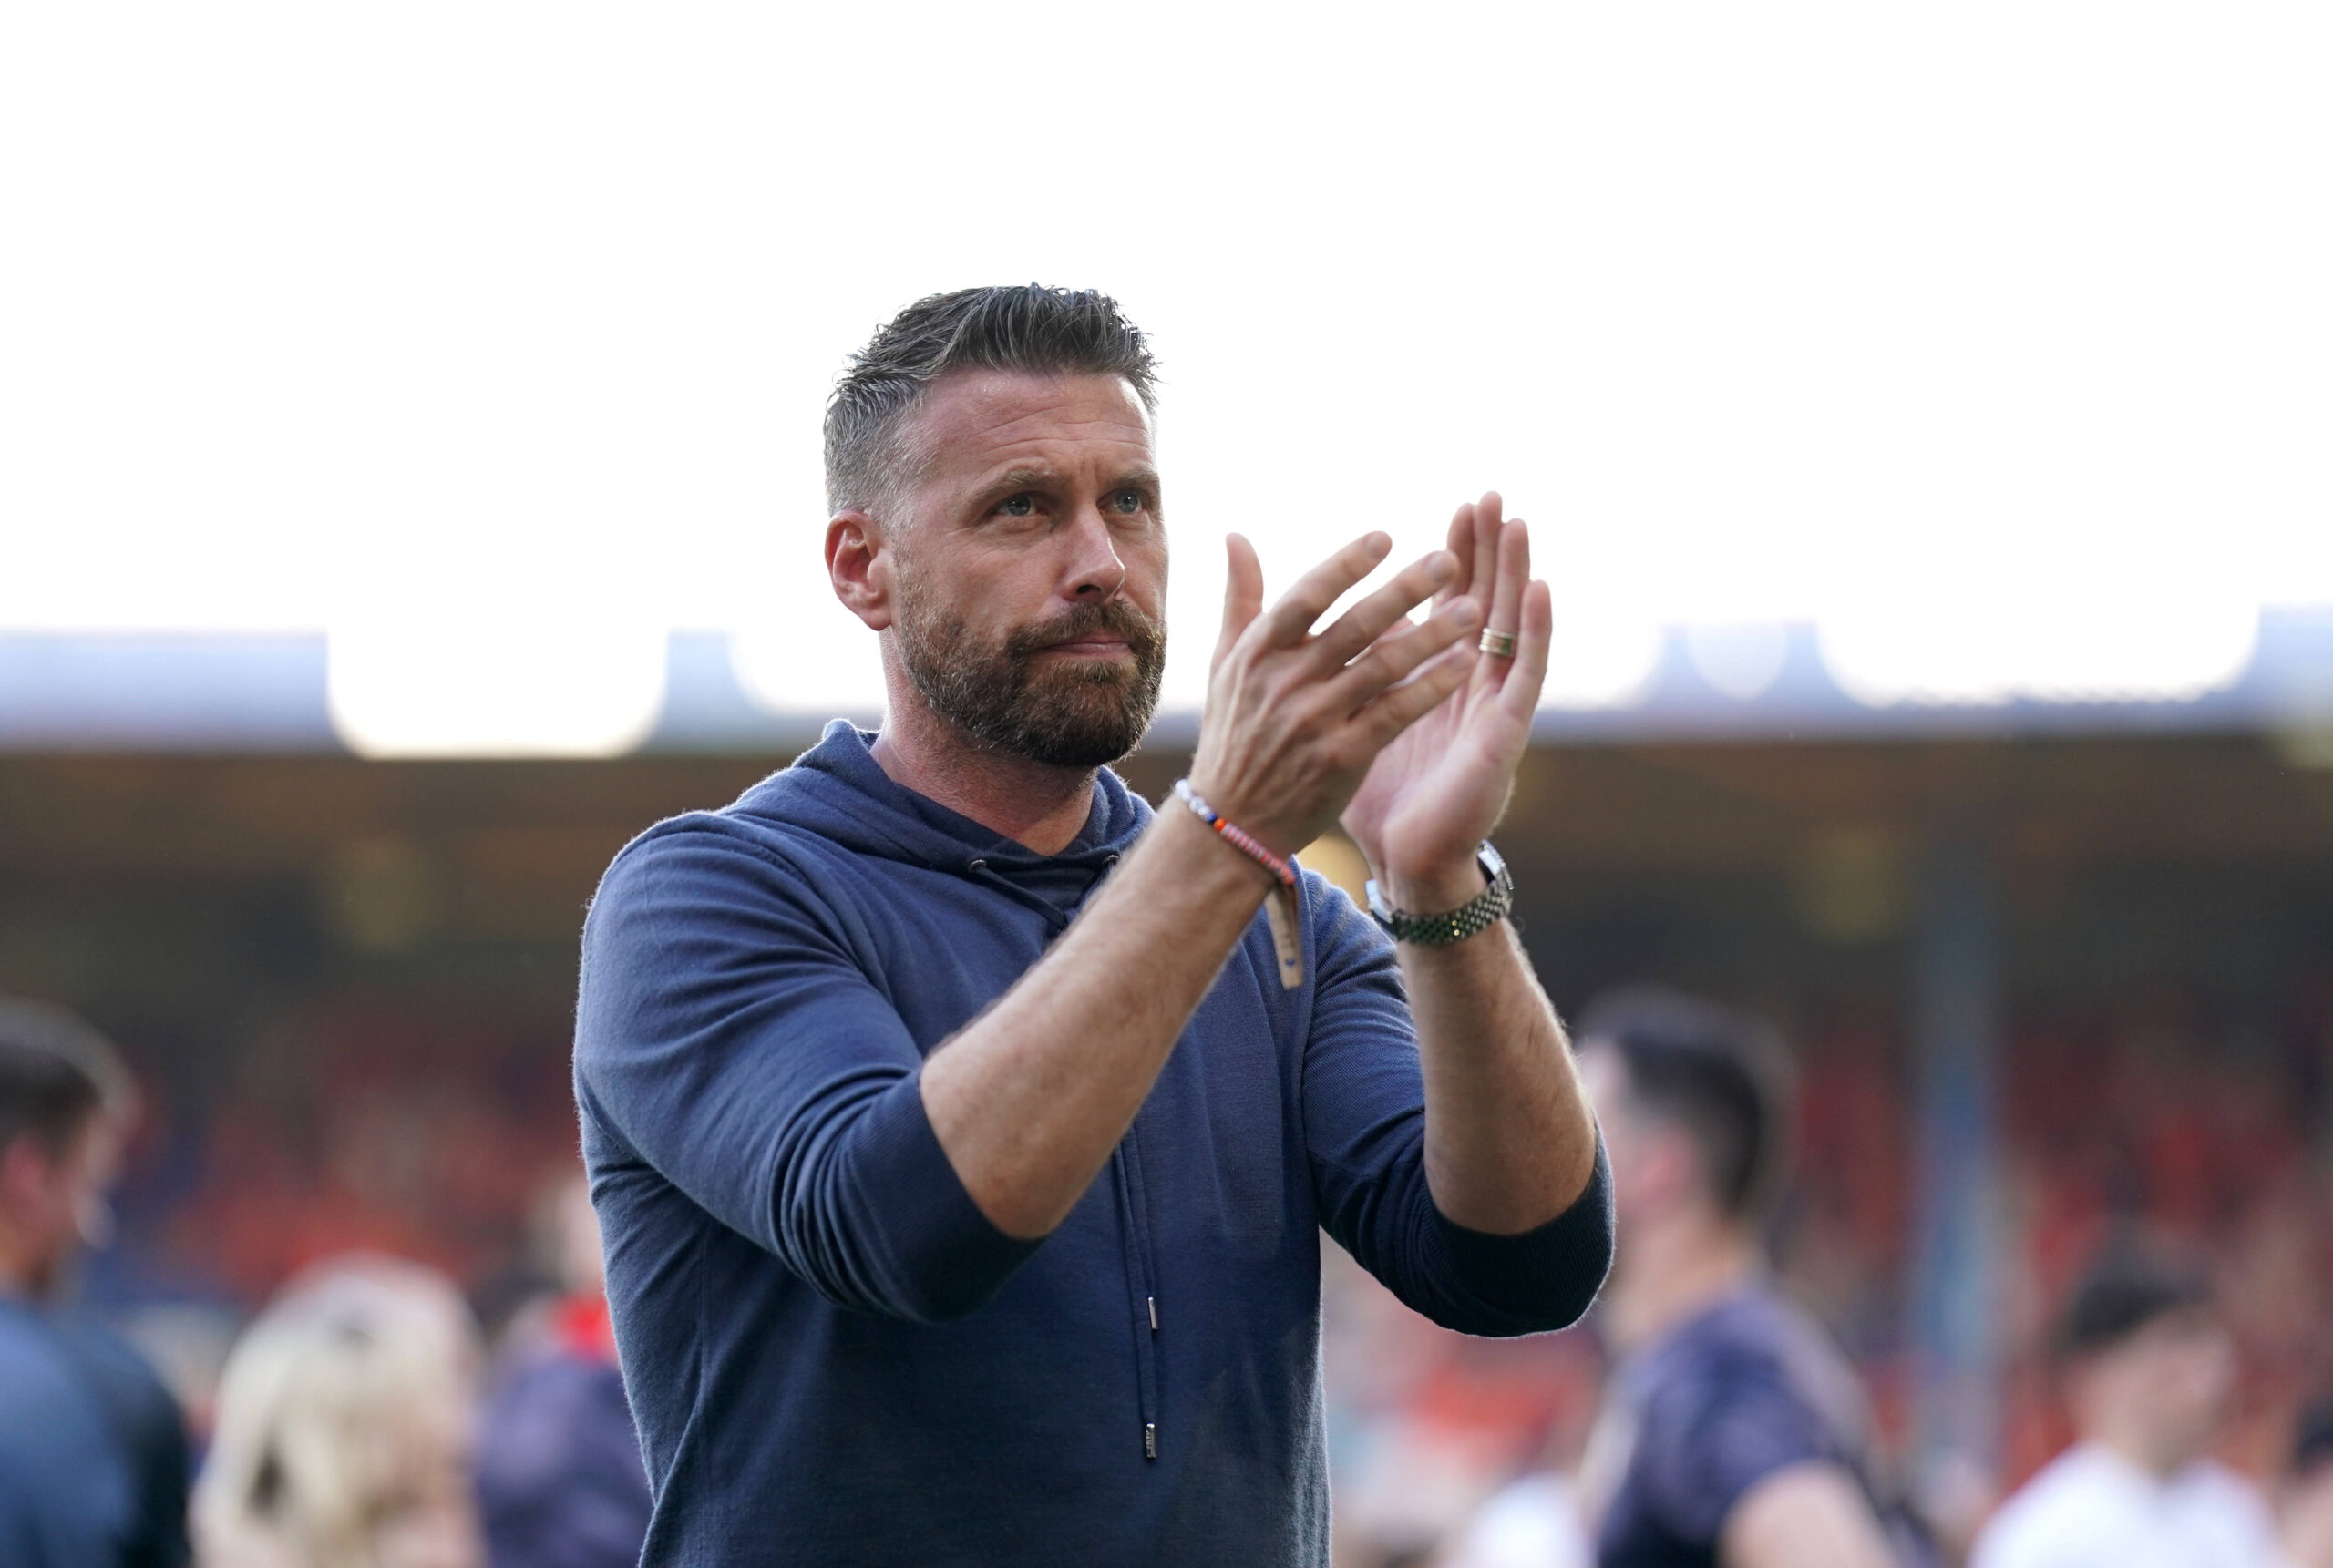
(1028, 565)
(2171, 1382)
(2189, 1366)
(1605, 1081)
(1649, 1158)
(56, 1198)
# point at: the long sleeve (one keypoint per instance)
(725, 1036)
(1364, 1111)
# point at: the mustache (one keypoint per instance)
(1143, 635)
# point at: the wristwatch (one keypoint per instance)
(1485, 909)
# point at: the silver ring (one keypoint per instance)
(1498, 645)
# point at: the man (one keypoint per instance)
(558, 1471)
(93, 1457)
(1733, 1430)
(2148, 1371)
(961, 1133)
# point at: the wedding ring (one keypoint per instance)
(1498, 645)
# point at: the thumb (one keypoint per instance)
(1243, 592)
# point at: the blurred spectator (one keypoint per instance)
(561, 1481)
(93, 1455)
(344, 1428)
(1733, 1430)
(1534, 1524)
(1425, 1424)
(2149, 1369)
(2305, 1508)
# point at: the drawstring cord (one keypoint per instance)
(1098, 861)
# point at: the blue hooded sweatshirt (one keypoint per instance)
(834, 1358)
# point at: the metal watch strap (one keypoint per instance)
(1485, 909)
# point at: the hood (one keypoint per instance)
(837, 790)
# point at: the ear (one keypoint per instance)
(27, 1174)
(858, 565)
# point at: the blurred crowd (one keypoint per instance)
(362, 1418)
(2157, 1128)
(428, 1376)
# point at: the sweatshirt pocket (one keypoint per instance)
(1142, 1287)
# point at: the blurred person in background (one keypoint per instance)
(1733, 1430)
(962, 1132)
(561, 1483)
(2305, 1499)
(345, 1428)
(93, 1455)
(2148, 1372)
(1533, 1523)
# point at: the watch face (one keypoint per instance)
(1492, 864)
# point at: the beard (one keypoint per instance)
(1081, 714)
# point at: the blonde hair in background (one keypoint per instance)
(344, 1428)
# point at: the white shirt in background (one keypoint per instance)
(2090, 1508)
(1534, 1524)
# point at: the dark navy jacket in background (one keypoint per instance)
(67, 1496)
(834, 1357)
(1741, 1392)
(93, 1451)
(558, 1469)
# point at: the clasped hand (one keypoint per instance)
(1400, 728)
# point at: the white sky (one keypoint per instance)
(1994, 339)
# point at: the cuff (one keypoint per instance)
(1541, 1279)
(946, 1257)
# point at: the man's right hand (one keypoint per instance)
(1294, 719)
(1028, 1099)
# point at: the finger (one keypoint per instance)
(1368, 621)
(1489, 513)
(1460, 543)
(1506, 597)
(1286, 622)
(1420, 694)
(1520, 696)
(1243, 592)
(1394, 656)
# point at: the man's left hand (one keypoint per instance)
(1437, 791)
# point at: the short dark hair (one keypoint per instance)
(1722, 1078)
(56, 1073)
(1023, 327)
(2312, 1437)
(2125, 1288)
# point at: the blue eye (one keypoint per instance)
(1129, 501)
(1017, 506)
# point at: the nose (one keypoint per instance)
(1095, 571)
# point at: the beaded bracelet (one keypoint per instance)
(1238, 837)
(1281, 909)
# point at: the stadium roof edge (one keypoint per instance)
(270, 692)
